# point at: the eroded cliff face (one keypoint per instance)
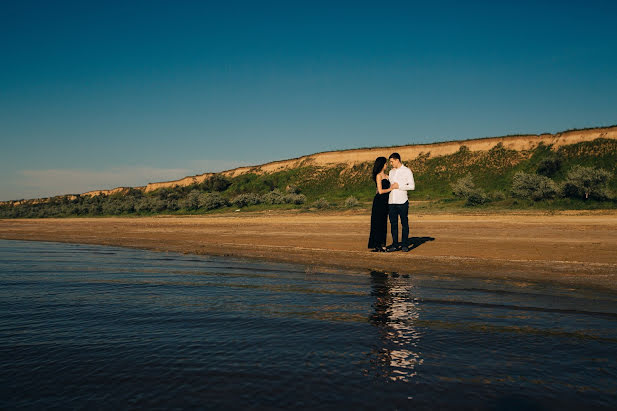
(408, 152)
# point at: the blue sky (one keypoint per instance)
(102, 94)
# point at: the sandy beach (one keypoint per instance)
(578, 249)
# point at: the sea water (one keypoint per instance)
(86, 326)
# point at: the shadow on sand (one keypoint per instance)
(415, 242)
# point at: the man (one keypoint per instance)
(398, 202)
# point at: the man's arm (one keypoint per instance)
(406, 181)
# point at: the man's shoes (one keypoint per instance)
(392, 248)
(405, 249)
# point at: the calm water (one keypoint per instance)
(102, 327)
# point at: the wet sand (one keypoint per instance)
(576, 249)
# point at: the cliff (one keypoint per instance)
(407, 152)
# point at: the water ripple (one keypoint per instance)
(86, 326)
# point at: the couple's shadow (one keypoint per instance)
(415, 242)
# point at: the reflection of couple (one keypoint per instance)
(396, 314)
(390, 201)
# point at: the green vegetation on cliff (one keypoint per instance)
(577, 176)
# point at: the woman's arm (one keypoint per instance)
(380, 188)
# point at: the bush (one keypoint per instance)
(497, 196)
(127, 205)
(292, 189)
(549, 166)
(464, 187)
(158, 205)
(172, 204)
(211, 201)
(191, 201)
(476, 198)
(216, 183)
(294, 199)
(144, 204)
(533, 186)
(150, 204)
(273, 197)
(244, 200)
(321, 203)
(351, 202)
(587, 182)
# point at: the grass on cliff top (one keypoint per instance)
(492, 172)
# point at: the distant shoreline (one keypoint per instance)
(572, 250)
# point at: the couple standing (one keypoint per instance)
(390, 201)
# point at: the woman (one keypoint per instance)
(379, 213)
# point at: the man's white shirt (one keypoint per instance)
(404, 177)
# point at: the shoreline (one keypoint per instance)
(570, 250)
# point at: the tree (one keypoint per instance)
(533, 186)
(587, 182)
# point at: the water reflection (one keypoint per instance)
(395, 314)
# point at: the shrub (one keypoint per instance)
(158, 205)
(211, 201)
(247, 199)
(533, 186)
(497, 196)
(549, 166)
(321, 203)
(294, 198)
(273, 197)
(127, 205)
(292, 189)
(351, 202)
(172, 204)
(144, 205)
(216, 182)
(191, 201)
(134, 192)
(464, 187)
(476, 198)
(150, 204)
(269, 183)
(587, 182)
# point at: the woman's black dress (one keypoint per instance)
(379, 218)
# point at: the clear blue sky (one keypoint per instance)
(102, 94)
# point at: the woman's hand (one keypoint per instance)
(394, 186)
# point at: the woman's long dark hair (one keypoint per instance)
(379, 163)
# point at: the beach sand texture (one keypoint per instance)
(576, 249)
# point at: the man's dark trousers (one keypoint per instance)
(402, 210)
